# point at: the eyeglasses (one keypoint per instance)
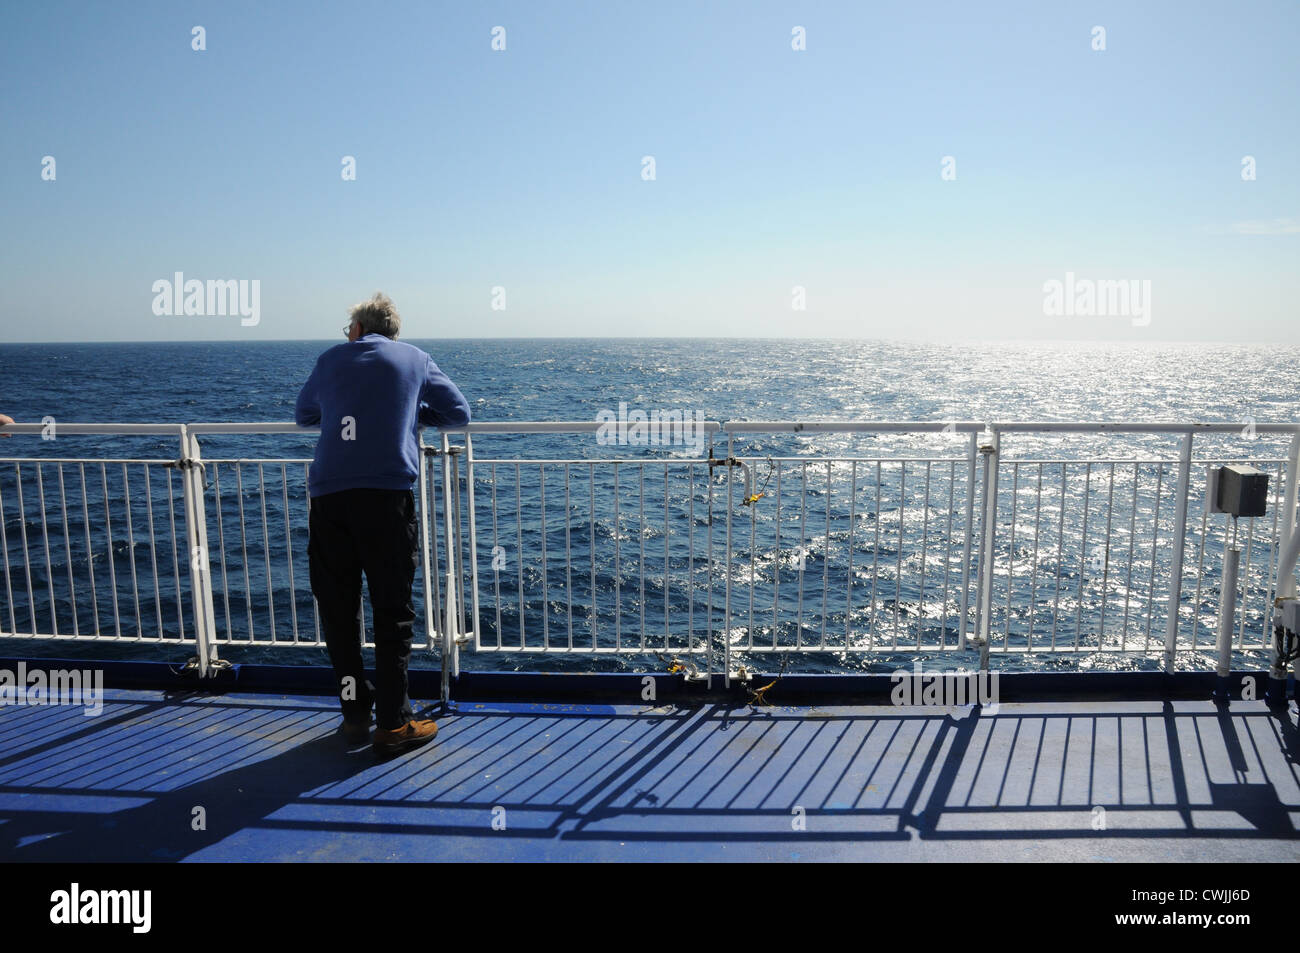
(347, 330)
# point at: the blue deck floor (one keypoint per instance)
(1177, 780)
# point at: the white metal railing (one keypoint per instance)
(979, 543)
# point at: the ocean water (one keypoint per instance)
(854, 547)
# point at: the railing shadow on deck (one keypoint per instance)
(126, 785)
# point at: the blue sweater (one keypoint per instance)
(370, 397)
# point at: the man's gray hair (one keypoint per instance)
(378, 315)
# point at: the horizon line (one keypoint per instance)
(682, 337)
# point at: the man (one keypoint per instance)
(370, 397)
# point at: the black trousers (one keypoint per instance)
(370, 531)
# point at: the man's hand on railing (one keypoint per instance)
(5, 419)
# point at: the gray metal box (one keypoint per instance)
(1242, 491)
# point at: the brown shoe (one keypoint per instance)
(410, 735)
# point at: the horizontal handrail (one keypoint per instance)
(85, 429)
(1008, 426)
(709, 426)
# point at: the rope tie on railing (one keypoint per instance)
(759, 695)
(750, 497)
(189, 463)
(677, 666)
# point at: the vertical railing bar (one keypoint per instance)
(708, 624)
(546, 598)
(243, 548)
(690, 558)
(640, 503)
(429, 558)
(988, 541)
(288, 546)
(1289, 472)
(434, 575)
(1273, 551)
(666, 559)
(1132, 551)
(848, 588)
(1244, 582)
(45, 536)
(519, 545)
(221, 542)
(925, 546)
(450, 530)
(153, 547)
(472, 509)
(462, 604)
(947, 554)
(315, 606)
(1180, 533)
(875, 566)
(176, 564)
(803, 549)
(266, 551)
(496, 545)
(972, 454)
(67, 548)
(27, 556)
(90, 553)
(1060, 557)
(1105, 570)
(726, 592)
(1083, 553)
(1200, 566)
(1155, 537)
(4, 547)
(591, 474)
(618, 572)
(112, 567)
(776, 563)
(196, 525)
(753, 559)
(430, 527)
(898, 569)
(130, 535)
(568, 553)
(1033, 571)
(826, 556)
(1011, 549)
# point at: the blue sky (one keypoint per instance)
(774, 168)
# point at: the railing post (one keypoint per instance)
(708, 615)
(451, 613)
(430, 604)
(1180, 534)
(726, 592)
(990, 449)
(196, 536)
(966, 544)
(1284, 587)
(473, 543)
